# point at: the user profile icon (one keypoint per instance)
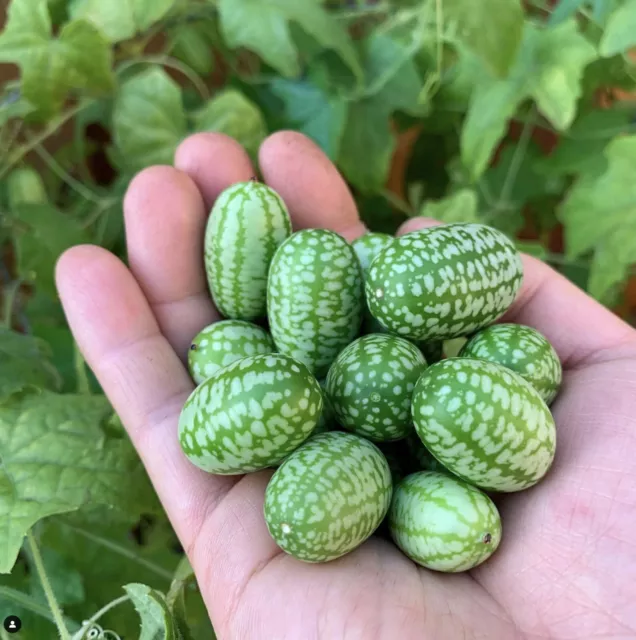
(12, 624)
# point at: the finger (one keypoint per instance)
(142, 376)
(165, 223)
(214, 161)
(309, 183)
(580, 329)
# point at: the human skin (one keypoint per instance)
(566, 567)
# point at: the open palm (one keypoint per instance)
(566, 567)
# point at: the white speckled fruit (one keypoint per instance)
(371, 383)
(328, 497)
(443, 523)
(484, 423)
(224, 342)
(250, 414)
(522, 349)
(248, 222)
(443, 282)
(314, 297)
(368, 246)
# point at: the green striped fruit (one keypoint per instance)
(443, 282)
(250, 415)
(328, 497)
(224, 342)
(314, 297)
(327, 420)
(485, 423)
(443, 523)
(371, 383)
(522, 349)
(368, 246)
(247, 224)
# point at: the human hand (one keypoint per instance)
(566, 567)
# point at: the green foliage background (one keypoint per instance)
(498, 111)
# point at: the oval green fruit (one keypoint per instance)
(250, 415)
(314, 297)
(368, 246)
(443, 523)
(328, 497)
(522, 349)
(484, 423)
(443, 282)
(371, 383)
(248, 223)
(224, 342)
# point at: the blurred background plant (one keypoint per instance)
(518, 114)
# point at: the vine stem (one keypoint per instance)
(160, 571)
(83, 383)
(59, 170)
(10, 295)
(96, 616)
(517, 159)
(172, 63)
(49, 130)
(46, 586)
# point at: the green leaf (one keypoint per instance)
(492, 29)
(51, 67)
(191, 44)
(312, 111)
(620, 32)
(25, 186)
(528, 184)
(107, 554)
(491, 106)
(230, 112)
(532, 248)
(392, 84)
(458, 207)
(148, 119)
(46, 233)
(367, 145)
(25, 363)
(14, 105)
(599, 215)
(65, 580)
(580, 149)
(548, 69)
(120, 19)
(567, 8)
(555, 64)
(157, 622)
(263, 27)
(56, 458)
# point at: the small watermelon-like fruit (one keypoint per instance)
(328, 420)
(368, 246)
(443, 282)
(371, 383)
(224, 342)
(315, 297)
(328, 497)
(522, 349)
(249, 221)
(250, 414)
(443, 523)
(484, 423)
